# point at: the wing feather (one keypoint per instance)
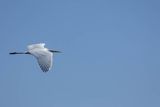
(44, 57)
(45, 61)
(33, 46)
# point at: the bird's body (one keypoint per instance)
(43, 55)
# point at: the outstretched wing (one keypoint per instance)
(45, 61)
(33, 46)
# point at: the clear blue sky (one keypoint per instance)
(111, 53)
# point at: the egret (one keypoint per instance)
(42, 54)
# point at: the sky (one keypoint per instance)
(111, 54)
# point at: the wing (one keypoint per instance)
(45, 61)
(33, 46)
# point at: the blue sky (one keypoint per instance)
(110, 58)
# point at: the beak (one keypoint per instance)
(55, 51)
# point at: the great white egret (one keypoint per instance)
(42, 54)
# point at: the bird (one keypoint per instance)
(43, 55)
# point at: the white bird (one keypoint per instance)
(42, 54)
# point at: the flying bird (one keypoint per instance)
(42, 54)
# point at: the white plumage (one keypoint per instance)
(33, 46)
(42, 54)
